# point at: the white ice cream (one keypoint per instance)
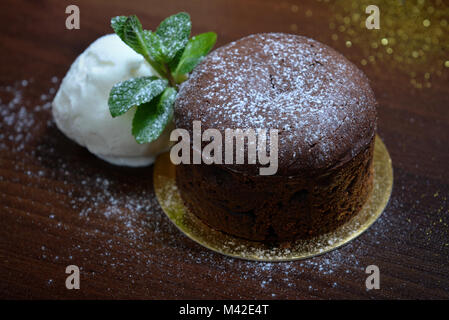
(81, 110)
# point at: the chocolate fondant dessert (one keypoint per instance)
(325, 112)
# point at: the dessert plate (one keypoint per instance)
(171, 203)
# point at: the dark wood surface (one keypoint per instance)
(59, 205)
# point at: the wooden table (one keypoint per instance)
(60, 205)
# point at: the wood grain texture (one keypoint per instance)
(59, 205)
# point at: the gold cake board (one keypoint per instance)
(170, 200)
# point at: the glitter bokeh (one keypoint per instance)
(413, 35)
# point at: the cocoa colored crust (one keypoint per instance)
(319, 101)
(326, 113)
(277, 208)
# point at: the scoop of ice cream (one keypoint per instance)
(81, 110)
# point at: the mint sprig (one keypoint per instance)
(172, 55)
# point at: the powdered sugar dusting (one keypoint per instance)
(320, 101)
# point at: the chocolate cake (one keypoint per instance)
(325, 112)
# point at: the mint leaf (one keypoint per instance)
(134, 92)
(151, 118)
(118, 23)
(197, 48)
(133, 36)
(174, 62)
(154, 45)
(174, 33)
